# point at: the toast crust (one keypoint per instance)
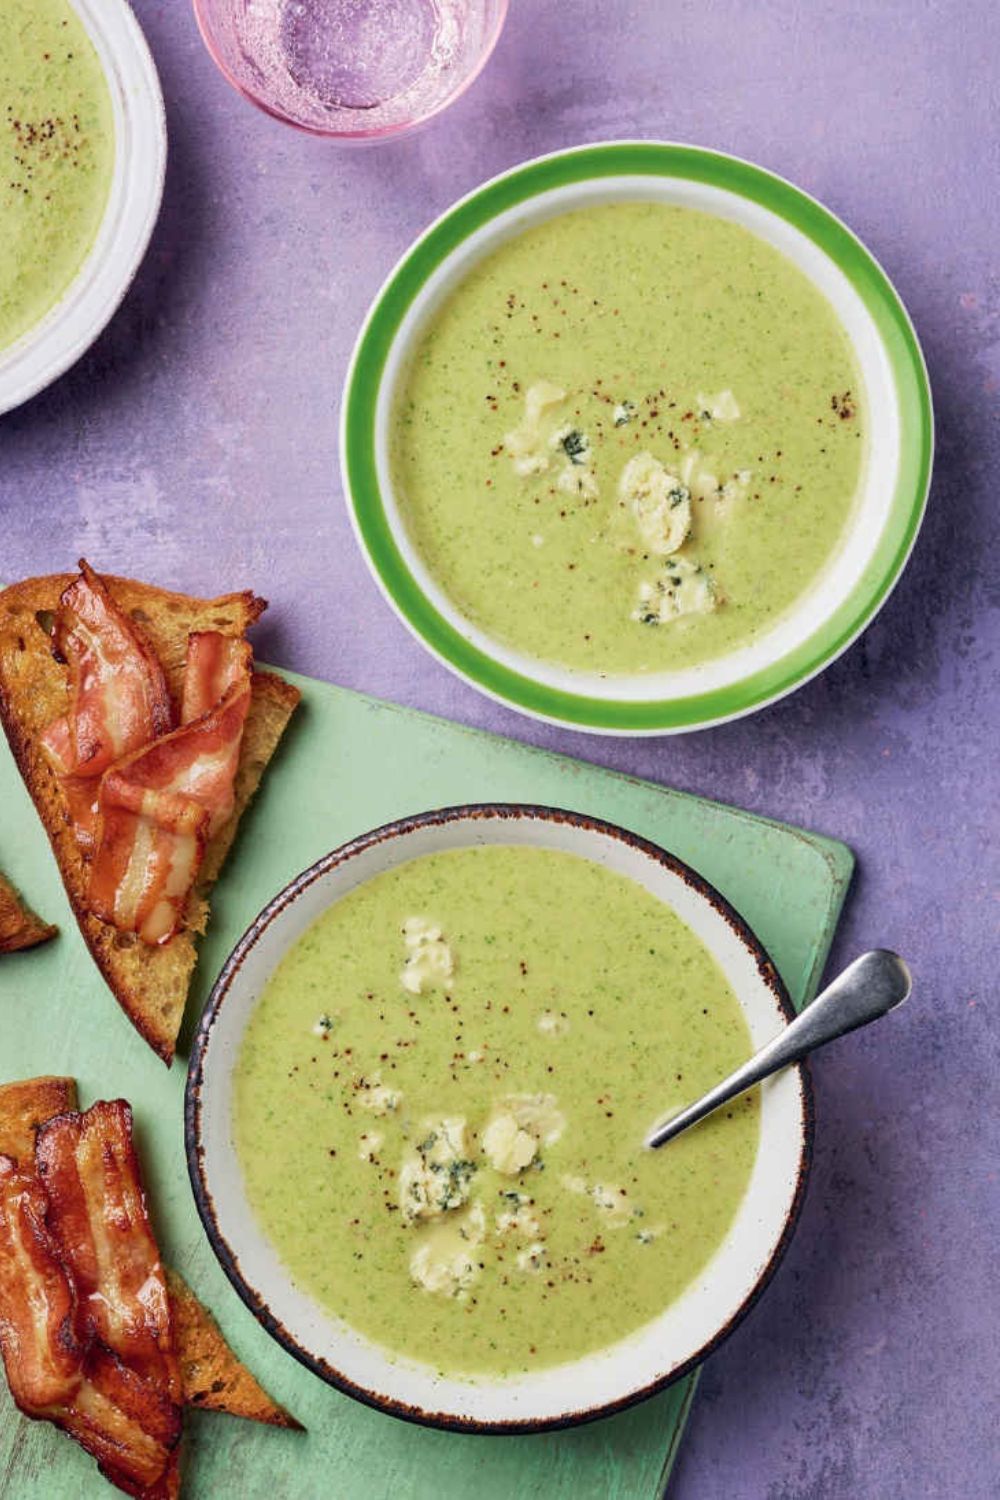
(19, 926)
(150, 984)
(26, 1105)
(213, 1379)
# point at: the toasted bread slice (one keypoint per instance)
(19, 927)
(26, 1105)
(212, 1377)
(150, 983)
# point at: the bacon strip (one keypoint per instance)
(215, 664)
(143, 799)
(119, 698)
(157, 810)
(99, 1218)
(125, 1423)
(85, 1323)
(37, 1303)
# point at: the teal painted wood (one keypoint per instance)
(350, 763)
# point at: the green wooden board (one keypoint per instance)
(349, 764)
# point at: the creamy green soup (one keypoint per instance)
(441, 1099)
(629, 440)
(56, 157)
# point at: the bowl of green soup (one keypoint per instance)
(637, 438)
(82, 158)
(417, 1105)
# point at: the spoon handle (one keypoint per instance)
(868, 988)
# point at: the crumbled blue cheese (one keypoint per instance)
(737, 487)
(659, 501)
(322, 1027)
(624, 412)
(574, 481)
(539, 399)
(532, 1258)
(611, 1201)
(647, 1236)
(369, 1143)
(574, 443)
(704, 485)
(436, 1176)
(444, 1259)
(528, 445)
(613, 1204)
(518, 1127)
(723, 407)
(683, 588)
(576, 476)
(429, 960)
(701, 482)
(507, 1147)
(519, 1220)
(376, 1097)
(552, 1023)
(539, 1114)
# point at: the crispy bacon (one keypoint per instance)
(215, 664)
(37, 1302)
(98, 1216)
(150, 847)
(85, 1323)
(125, 1422)
(144, 799)
(157, 810)
(119, 699)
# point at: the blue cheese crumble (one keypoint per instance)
(683, 588)
(722, 407)
(527, 445)
(436, 1176)
(429, 960)
(444, 1259)
(659, 502)
(519, 1126)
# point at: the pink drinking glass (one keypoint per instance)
(357, 71)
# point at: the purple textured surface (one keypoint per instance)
(196, 444)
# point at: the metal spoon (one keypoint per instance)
(868, 988)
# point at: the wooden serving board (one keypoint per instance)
(349, 764)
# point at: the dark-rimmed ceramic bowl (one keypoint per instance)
(600, 1383)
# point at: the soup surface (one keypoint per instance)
(56, 157)
(629, 440)
(441, 1098)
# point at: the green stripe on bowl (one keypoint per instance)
(610, 714)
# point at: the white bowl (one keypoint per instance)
(58, 339)
(858, 577)
(599, 1383)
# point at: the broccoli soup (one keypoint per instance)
(629, 440)
(56, 157)
(441, 1099)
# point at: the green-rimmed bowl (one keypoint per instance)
(887, 514)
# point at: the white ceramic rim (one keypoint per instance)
(46, 350)
(583, 1389)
